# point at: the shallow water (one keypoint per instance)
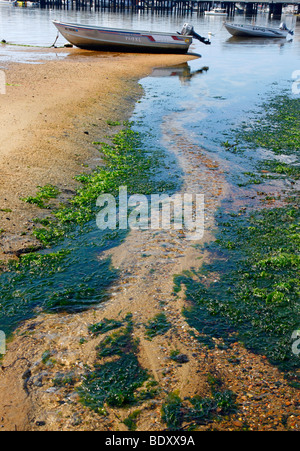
(200, 102)
(207, 105)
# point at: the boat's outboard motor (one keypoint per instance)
(285, 28)
(188, 30)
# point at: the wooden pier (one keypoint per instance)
(165, 6)
(171, 6)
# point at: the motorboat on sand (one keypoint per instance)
(102, 38)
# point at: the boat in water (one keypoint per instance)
(216, 12)
(254, 31)
(114, 39)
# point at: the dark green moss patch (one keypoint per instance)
(131, 420)
(50, 282)
(277, 129)
(195, 411)
(251, 287)
(118, 343)
(159, 325)
(205, 410)
(172, 413)
(257, 294)
(104, 326)
(115, 383)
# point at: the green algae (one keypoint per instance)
(207, 409)
(256, 297)
(119, 381)
(44, 194)
(118, 343)
(113, 123)
(278, 129)
(46, 356)
(131, 420)
(171, 412)
(194, 411)
(104, 326)
(250, 290)
(49, 282)
(115, 383)
(158, 325)
(127, 163)
(273, 128)
(52, 283)
(72, 277)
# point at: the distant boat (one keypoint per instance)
(254, 31)
(25, 4)
(216, 12)
(101, 38)
(239, 9)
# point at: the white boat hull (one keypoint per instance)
(100, 38)
(255, 31)
(211, 13)
(216, 12)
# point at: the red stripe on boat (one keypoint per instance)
(151, 38)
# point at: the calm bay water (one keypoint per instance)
(203, 99)
(240, 71)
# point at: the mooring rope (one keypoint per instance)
(53, 45)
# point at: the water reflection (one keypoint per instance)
(257, 41)
(9, 53)
(182, 71)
